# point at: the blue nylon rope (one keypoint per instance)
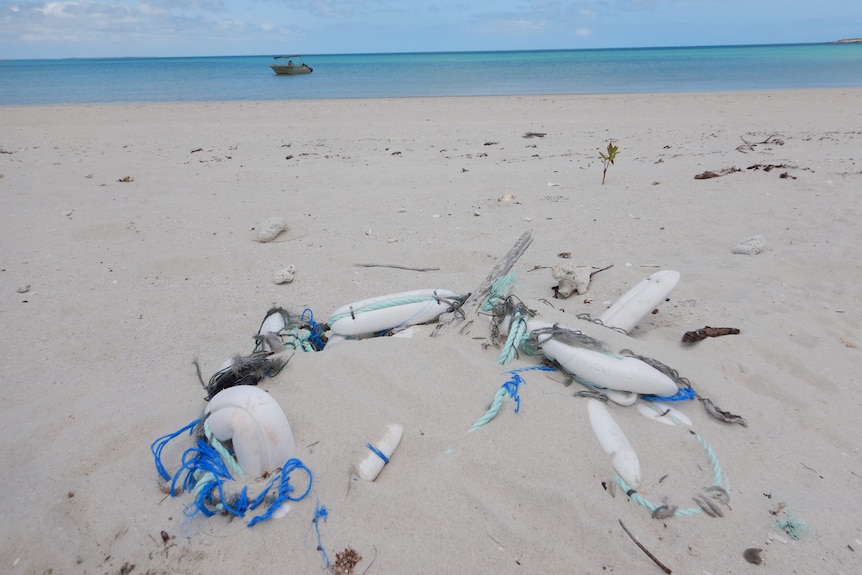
(683, 394)
(159, 444)
(320, 512)
(378, 453)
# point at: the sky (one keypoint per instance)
(125, 28)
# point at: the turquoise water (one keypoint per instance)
(697, 69)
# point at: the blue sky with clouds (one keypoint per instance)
(108, 28)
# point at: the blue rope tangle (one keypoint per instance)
(159, 444)
(316, 335)
(509, 388)
(204, 473)
(320, 512)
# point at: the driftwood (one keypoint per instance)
(397, 267)
(705, 332)
(450, 320)
(655, 560)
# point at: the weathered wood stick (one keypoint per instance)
(450, 320)
(664, 567)
(397, 267)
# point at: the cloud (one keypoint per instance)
(116, 27)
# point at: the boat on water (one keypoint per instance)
(289, 67)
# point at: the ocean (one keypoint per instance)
(693, 69)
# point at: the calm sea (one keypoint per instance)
(715, 68)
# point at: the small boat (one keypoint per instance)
(290, 68)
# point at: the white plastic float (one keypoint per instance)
(253, 421)
(640, 300)
(372, 464)
(384, 313)
(614, 442)
(604, 369)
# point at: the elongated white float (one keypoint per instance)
(253, 421)
(384, 313)
(640, 300)
(614, 442)
(604, 369)
(379, 452)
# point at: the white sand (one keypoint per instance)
(129, 281)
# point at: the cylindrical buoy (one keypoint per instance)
(255, 424)
(379, 452)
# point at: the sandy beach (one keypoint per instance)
(128, 251)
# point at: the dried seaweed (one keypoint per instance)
(705, 332)
(721, 415)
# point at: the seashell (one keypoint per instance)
(752, 555)
(750, 247)
(572, 278)
(507, 198)
(284, 276)
(270, 228)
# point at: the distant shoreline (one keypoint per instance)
(849, 41)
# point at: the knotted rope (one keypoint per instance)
(509, 388)
(206, 470)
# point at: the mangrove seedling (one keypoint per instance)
(608, 159)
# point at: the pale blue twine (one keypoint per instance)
(718, 480)
(517, 336)
(393, 303)
(295, 338)
(509, 388)
(498, 291)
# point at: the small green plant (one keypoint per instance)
(608, 159)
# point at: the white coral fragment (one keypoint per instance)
(284, 276)
(270, 228)
(572, 278)
(750, 247)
